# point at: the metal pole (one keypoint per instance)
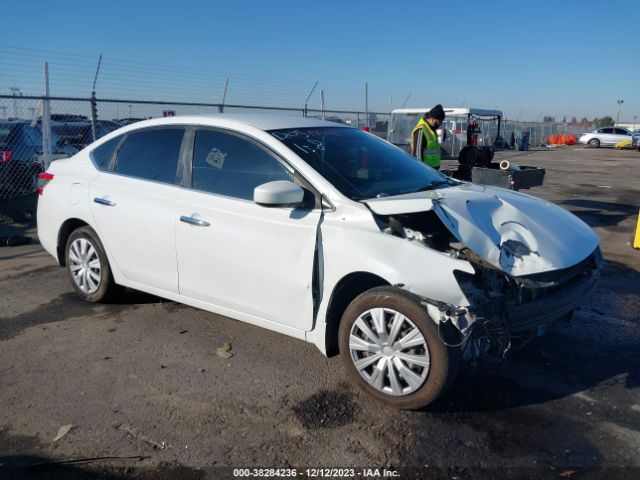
(366, 103)
(14, 91)
(406, 100)
(307, 100)
(620, 102)
(46, 120)
(322, 102)
(94, 104)
(224, 95)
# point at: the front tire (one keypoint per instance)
(594, 143)
(88, 266)
(391, 348)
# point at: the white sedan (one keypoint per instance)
(606, 136)
(319, 231)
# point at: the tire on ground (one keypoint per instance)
(107, 288)
(444, 360)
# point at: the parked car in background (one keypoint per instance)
(79, 133)
(319, 231)
(128, 121)
(21, 157)
(605, 136)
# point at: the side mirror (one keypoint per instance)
(278, 193)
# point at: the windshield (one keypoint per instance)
(359, 164)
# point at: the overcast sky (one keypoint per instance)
(527, 58)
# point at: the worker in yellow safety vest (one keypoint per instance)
(425, 144)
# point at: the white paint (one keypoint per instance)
(490, 221)
(255, 263)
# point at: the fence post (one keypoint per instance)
(366, 104)
(94, 116)
(46, 120)
(224, 96)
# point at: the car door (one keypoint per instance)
(606, 136)
(133, 204)
(621, 134)
(254, 263)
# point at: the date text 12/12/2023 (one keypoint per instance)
(315, 473)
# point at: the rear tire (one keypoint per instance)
(406, 377)
(594, 143)
(88, 266)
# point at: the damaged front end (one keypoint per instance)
(505, 310)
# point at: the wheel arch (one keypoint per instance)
(347, 289)
(66, 229)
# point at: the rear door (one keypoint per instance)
(255, 262)
(607, 137)
(133, 204)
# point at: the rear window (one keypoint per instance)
(151, 154)
(103, 155)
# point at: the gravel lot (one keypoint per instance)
(142, 378)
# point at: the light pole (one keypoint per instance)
(634, 122)
(620, 102)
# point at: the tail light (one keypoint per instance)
(43, 180)
(5, 155)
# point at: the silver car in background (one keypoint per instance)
(605, 136)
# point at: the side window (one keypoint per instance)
(151, 154)
(607, 130)
(621, 131)
(228, 164)
(103, 155)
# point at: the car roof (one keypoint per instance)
(262, 121)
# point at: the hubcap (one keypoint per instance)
(84, 265)
(389, 351)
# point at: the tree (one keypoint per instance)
(547, 118)
(584, 121)
(606, 121)
(564, 119)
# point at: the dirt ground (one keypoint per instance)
(141, 384)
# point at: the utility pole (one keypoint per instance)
(620, 102)
(322, 102)
(634, 122)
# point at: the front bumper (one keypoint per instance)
(548, 309)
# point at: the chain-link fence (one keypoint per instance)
(76, 122)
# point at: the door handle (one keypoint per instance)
(194, 221)
(104, 201)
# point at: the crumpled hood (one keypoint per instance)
(517, 233)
